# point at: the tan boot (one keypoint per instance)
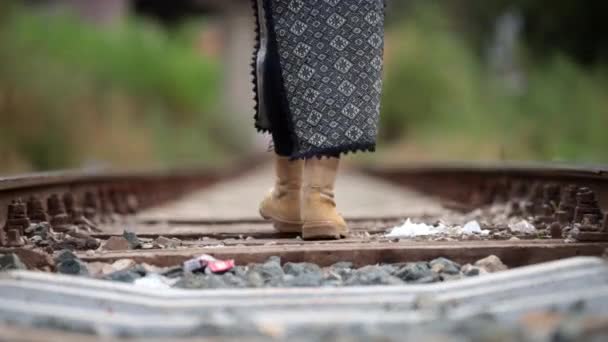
(321, 219)
(283, 202)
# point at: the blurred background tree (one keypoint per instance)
(157, 83)
(505, 79)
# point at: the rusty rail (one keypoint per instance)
(65, 197)
(554, 196)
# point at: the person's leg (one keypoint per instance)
(282, 204)
(318, 86)
(319, 213)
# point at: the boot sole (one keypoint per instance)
(282, 225)
(323, 231)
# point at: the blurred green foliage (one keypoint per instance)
(129, 94)
(441, 100)
(136, 94)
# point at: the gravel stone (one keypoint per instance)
(342, 265)
(73, 267)
(491, 264)
(343, 269)
(414, 271)
(302, 274)
(36, 239)
(297, 269)
(39, 229)
(210, 281)
(134, 241)
(450, 277)
(68, 263)
(11, 261)
(65, 255)
(126, 276)
(443, 265)
(270, 272)
(332, 279)
(391, 269)
(234, 281)
(472, 271)
(433, 278)
(240, 271)
(311, 279)
(192, 281)
(254, 279)
(372, 275)
(173, 272)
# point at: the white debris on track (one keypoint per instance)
(410, 230)
(472, 227)
(522, 226)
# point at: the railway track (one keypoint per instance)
(176, 216)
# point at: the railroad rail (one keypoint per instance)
(87, 211)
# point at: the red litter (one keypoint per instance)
(221, 266)
(207, 261)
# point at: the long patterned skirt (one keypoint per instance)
(318, 74)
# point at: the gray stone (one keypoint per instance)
(36, 239)
(190, 281)
(201, 281)
(332, 279)
(43, 243)
(134, 241)
(372, 275)
(240, 271)
(65, 255)
(254, 279)
(271, 271)
(11, 261)
(433, 278)
(391, 269)
(68, 263)
(342, 269)
(92, 243)
(450, 277)
(213, 281)
(414, 271)
(297, 269)
(73, 267)
(471, 271)
(302, 275)
(40, 229)
(173, 272)
(342, 265)
(124, 276)
(443, 265)
(311, 279)
(234, 281)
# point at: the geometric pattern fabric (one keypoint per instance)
(331, 56)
